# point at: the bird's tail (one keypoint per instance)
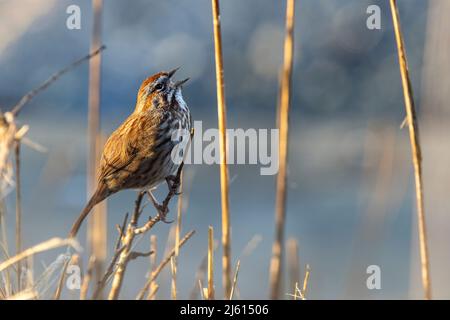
(97, 197)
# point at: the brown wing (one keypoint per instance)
(126, 148)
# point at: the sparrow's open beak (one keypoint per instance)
(180, 83)
(171, 73)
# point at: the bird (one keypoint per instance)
(139, 153)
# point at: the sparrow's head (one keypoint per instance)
(158, 91)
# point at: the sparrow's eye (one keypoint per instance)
(159, 86)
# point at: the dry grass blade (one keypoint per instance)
(60, 285)
(221, 111)
(18, 214)
(283, 117)
(211, 263)
(305, 282)
(236, 274)
(161, 266)
(43, 246)
(415, 150)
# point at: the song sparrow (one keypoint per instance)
(138, 155)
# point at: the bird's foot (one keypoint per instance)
(173, 182)
(162, 209)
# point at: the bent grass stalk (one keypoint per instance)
(415, 150)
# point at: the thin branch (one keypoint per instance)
(415, 150)
(30, 95)
(124, 256)
(109, 271)
(161, 266)
(283, 108)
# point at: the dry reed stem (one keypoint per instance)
(284, 103)
(153, 286)
(18, 214)
(221, 112)
(211, 294)
(43, 246)
(161, 266)
(87, 279)
(177, 240)
(6, 277)
(202, 292)
(200, 274)
(415, 150)
(153, 292)
(27, 294)
(60, 285)
(305, 282)
(236, 274)
(293, 262)
(110, 269)
(96, 235)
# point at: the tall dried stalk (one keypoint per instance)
(284, 102)
(221, 112)
(97, 241)
(177, 240)
(415, 150)
(87, 278)
(18, 215)
(210, 263)
(293, 263)
(153, 286)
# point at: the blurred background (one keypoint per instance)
(351, 190)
